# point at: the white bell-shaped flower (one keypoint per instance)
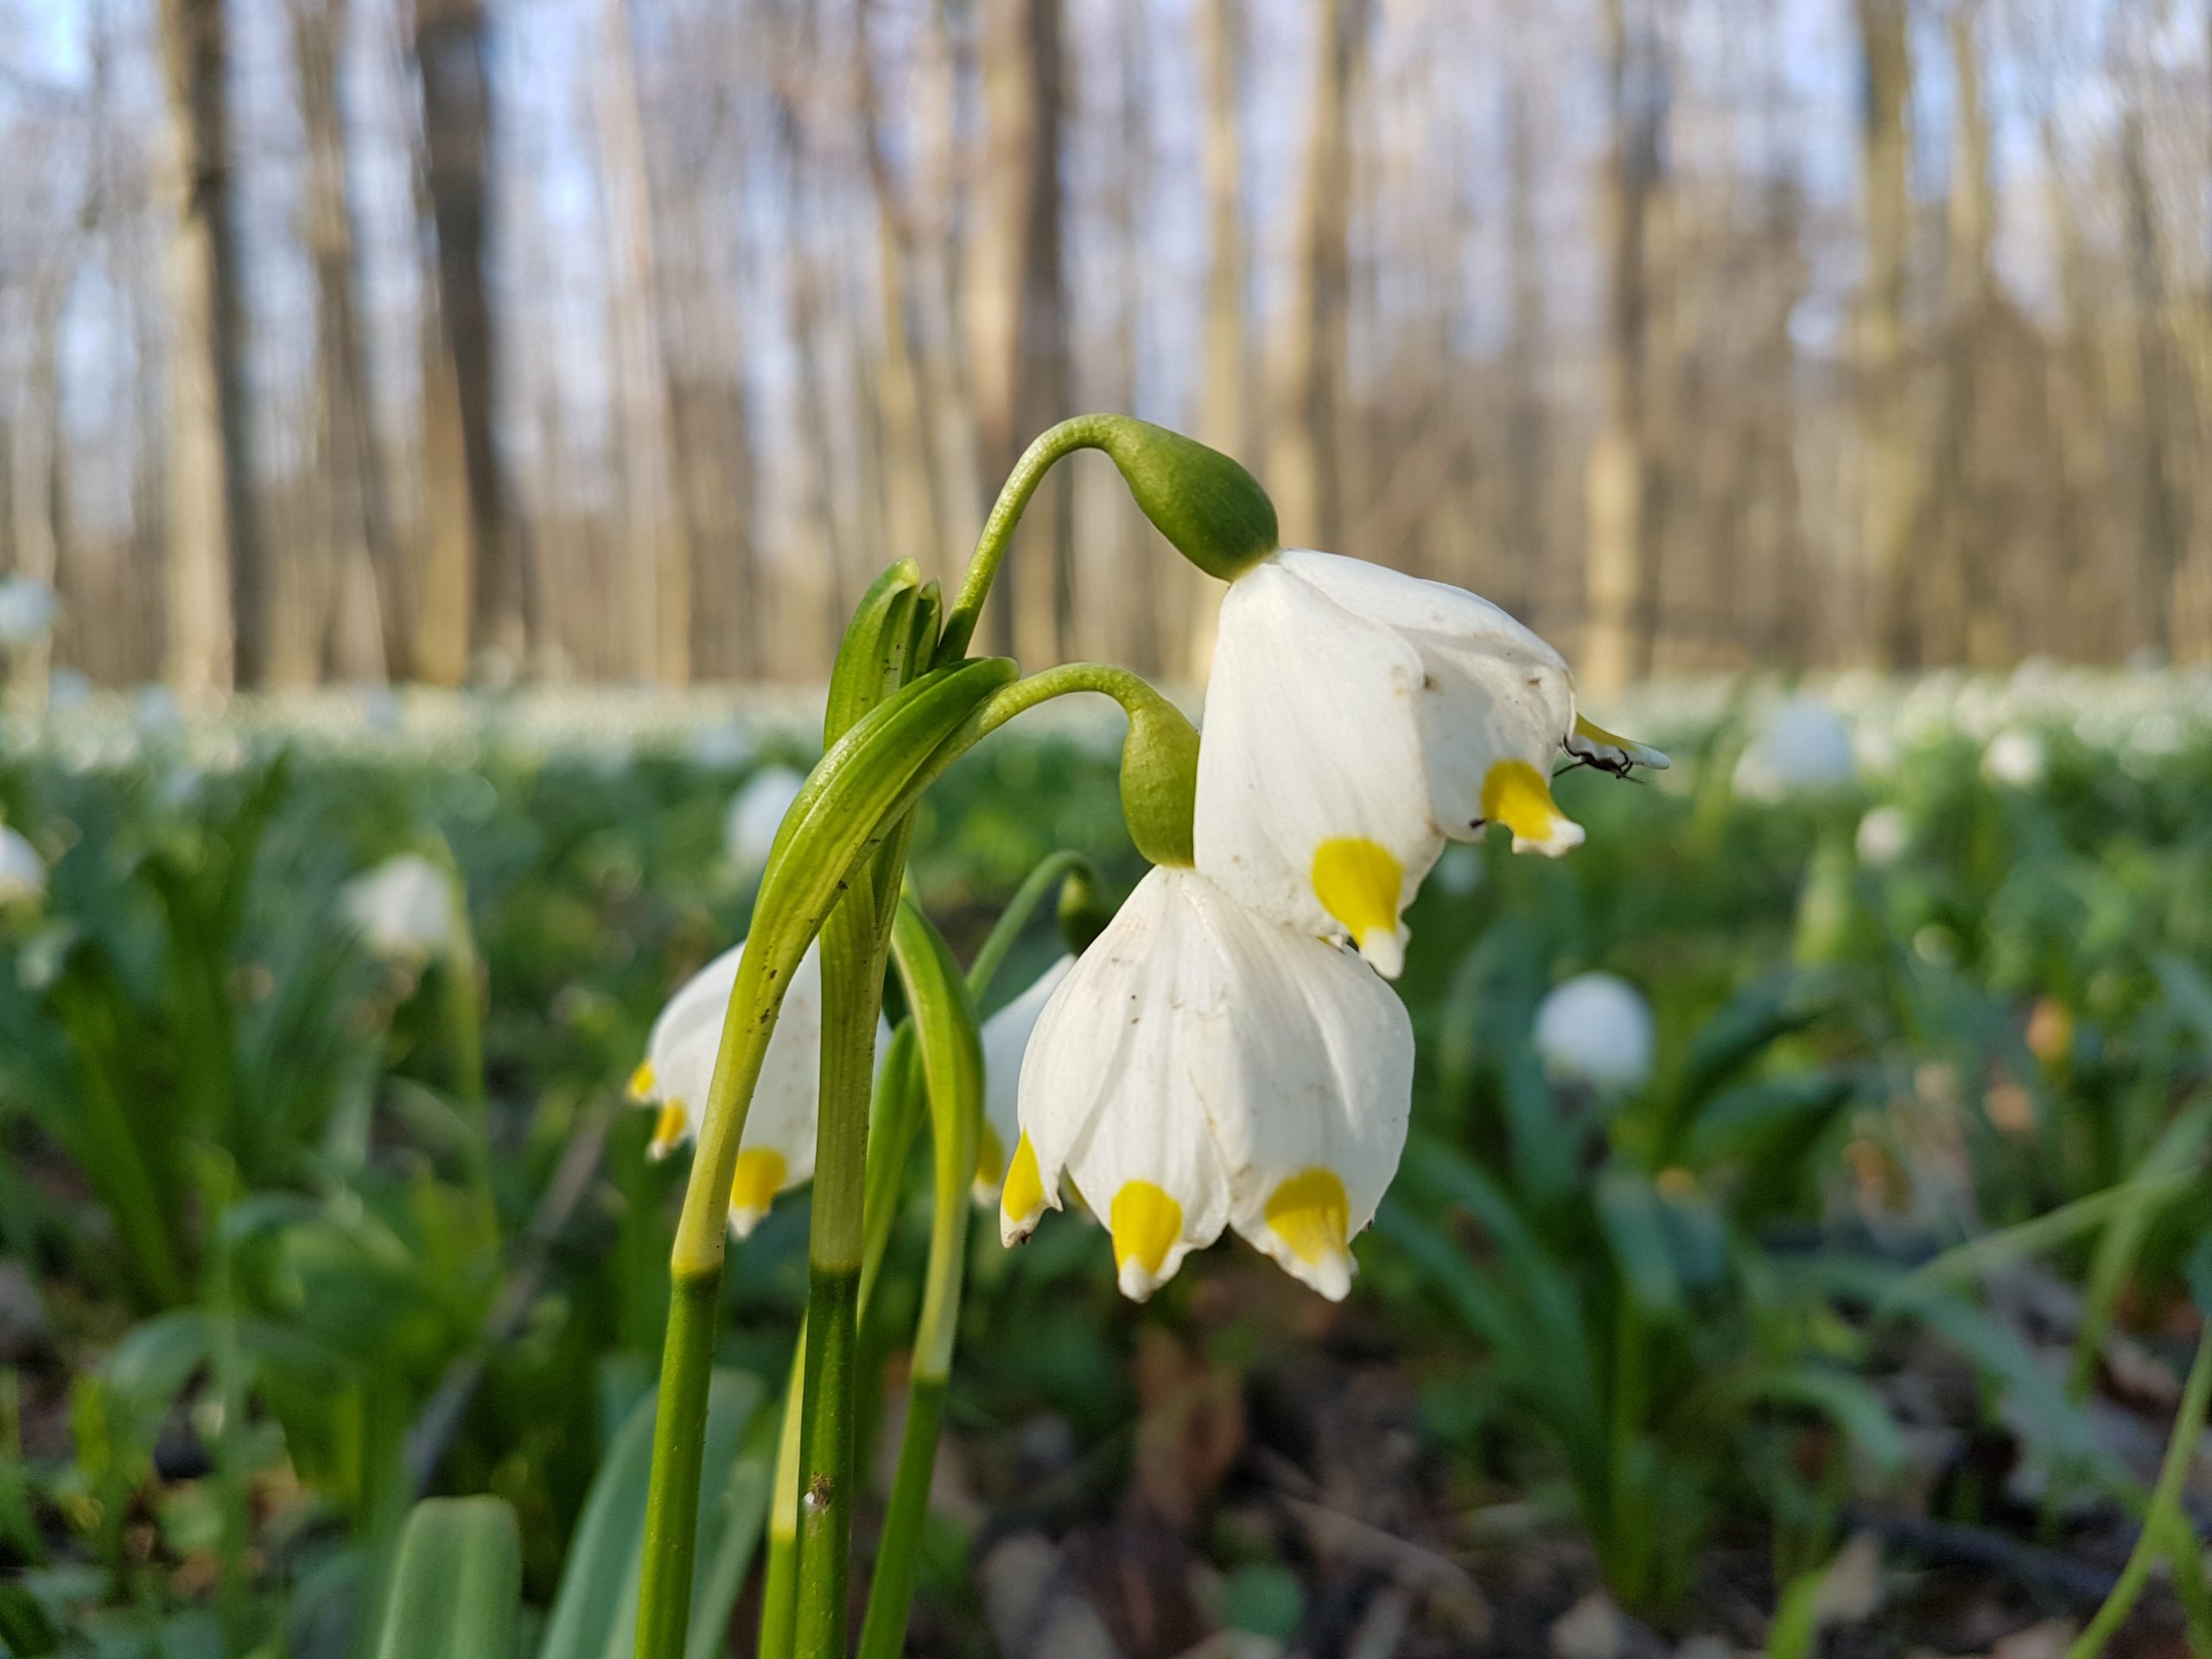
(23, 872)
(1204, 1067)
(756, 812)
(777, 1151)
(405, 909)
(1595, 1029)
(1355, 719)
(1803, 745)
(28, 610)
(1006, 1039)
(2016, 758)
(1883, 835)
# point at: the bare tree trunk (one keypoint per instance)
(1305, 447)
(1888, 481)
(356, 511)
(2163, 537)
(1620, 572)
(1528, 420)
(1223, 407)
(912, 504)
(456, 137)
(37, 495)
(1018, 311)
(656, 547)
(206, 466)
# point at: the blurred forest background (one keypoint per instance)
(625, 339)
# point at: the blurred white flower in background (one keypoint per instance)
(2015, 756)
(405, 909)
(156, 712)
(1460, 872)
(1884, 834)
(1596, 1029)
(67, 689)
(1802, 745)
(28, 608)
(723, 747)
(23, 872)
(756, 812)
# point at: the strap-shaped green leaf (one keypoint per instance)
(456, 1587)
(595, 1609)
(874, 654)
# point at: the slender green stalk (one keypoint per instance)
(891, 1595)
(779, 1577)
(851, 991)
(1084, 432)
(1015, 916)
(672, 1498)
(2159, 1533)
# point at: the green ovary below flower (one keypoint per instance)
(1202, 1067)
(1357, 718)
(777, 1152)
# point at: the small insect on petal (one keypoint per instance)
(1592, 742)
(670, 1125)
(1358, 881)
(1311, 1215)
(1022, 1199)
(1146, 1222)
(1516, 795)
(753, 1188)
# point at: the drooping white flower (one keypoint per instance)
(1204, 1067)
(2015, 756)
(1596, 1029)
(406, 909)
(777, 1151)
(23, 872)
(1884, 834)
(1802, 745)
(27, 608)
(1355, 719)
(1006, 1039)
(756, 812)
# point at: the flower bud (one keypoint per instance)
(1212, 511)
(1159, 780)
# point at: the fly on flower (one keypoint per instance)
(777, 1152)
(1357, 719)
(1202, 1067)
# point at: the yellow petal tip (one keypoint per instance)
(1310, 1219)
(1360, 882)
(1592, 742)
(642, 1085)
(1519, 797)
(1022, 1198)
(671, 1127)
(752, 1187)
(1146, 1223)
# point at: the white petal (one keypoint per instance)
(23, 872)
(1106, 1095)
(1312, 736)
(1006, 1038)
(404, 908)
(1318, 1084)
(1596, 1029)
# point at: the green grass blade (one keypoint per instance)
(456, 1589)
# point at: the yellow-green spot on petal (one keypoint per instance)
(670, 1124)
(1358, 881)
(1517, 796)
(1023, 1196)
(990, 1158)
(643, 1085)
(1311, 1215)
(753, 1186)
(1145, 1223)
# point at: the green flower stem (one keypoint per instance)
(952, 1059)
(1016, 915)
(852, 984)
(2159, 1533)
(779, 1577)
(1084, 432)
(672, 1498)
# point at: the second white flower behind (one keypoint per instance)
(776, 1152)
(1202, 1067)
